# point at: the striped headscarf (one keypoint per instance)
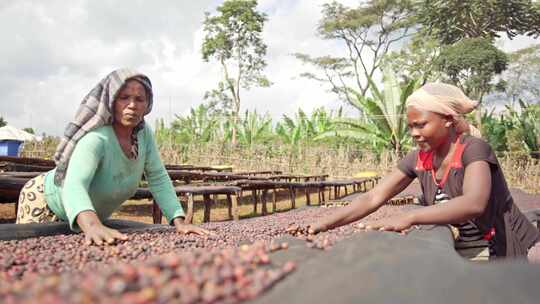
(445, 99)
(96, 110)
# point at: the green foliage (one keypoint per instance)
(199, 126)
(494, 129)
(526, 122)
(417, 59)
(303, 129)
(382, 124)
(254, 129)
(453, 20)
(471, 64)
(2, 122)
(234, 39)
(29, 130)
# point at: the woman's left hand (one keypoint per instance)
(183, 228)
(398, 223)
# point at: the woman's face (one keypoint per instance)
(130, 104)
(428, 129)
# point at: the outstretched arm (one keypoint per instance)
(473, 202)
(366, 203)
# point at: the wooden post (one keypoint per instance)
(322, 194)
(234, 204)
(254, 199)
(346, 191)
(308, 201)
(263, 201)
(229, 205)
(207, 204)
(156, 213)
(189, 215)
(274, 199)
(292, 194)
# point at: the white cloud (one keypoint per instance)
(54, 52)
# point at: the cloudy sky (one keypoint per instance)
(53, 52)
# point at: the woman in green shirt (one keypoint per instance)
(100, 162)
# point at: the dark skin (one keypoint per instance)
(129, 109)
(431, 131)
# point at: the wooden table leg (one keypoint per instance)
(234, 204)
(292, 193)
(207, 205)
(254, 199)
(229, 205)
(189, 215)
(156, 213)
(264, 192)
(274, 200)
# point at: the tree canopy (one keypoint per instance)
(367, 31)
(453, 20)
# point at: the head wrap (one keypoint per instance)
(445, 99)
(96, 110)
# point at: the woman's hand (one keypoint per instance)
(95, 232)
(317, 227)
(399, 223)
(183, 228)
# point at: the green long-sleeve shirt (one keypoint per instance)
(100, 177)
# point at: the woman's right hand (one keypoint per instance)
(95, 232)
(317, 227)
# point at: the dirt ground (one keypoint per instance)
(141, 210)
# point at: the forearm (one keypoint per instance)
(88, 219)
(179, 220)
(457, 210)
(362, 206)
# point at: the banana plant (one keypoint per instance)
(382, 122)
(254, 129)
(527, 123)
(199, 126)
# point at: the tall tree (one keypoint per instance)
(234, 39)
(368, 32)
(472, 24)
(416, 59)
(522, 78)
(471, 64)
(453, 20)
